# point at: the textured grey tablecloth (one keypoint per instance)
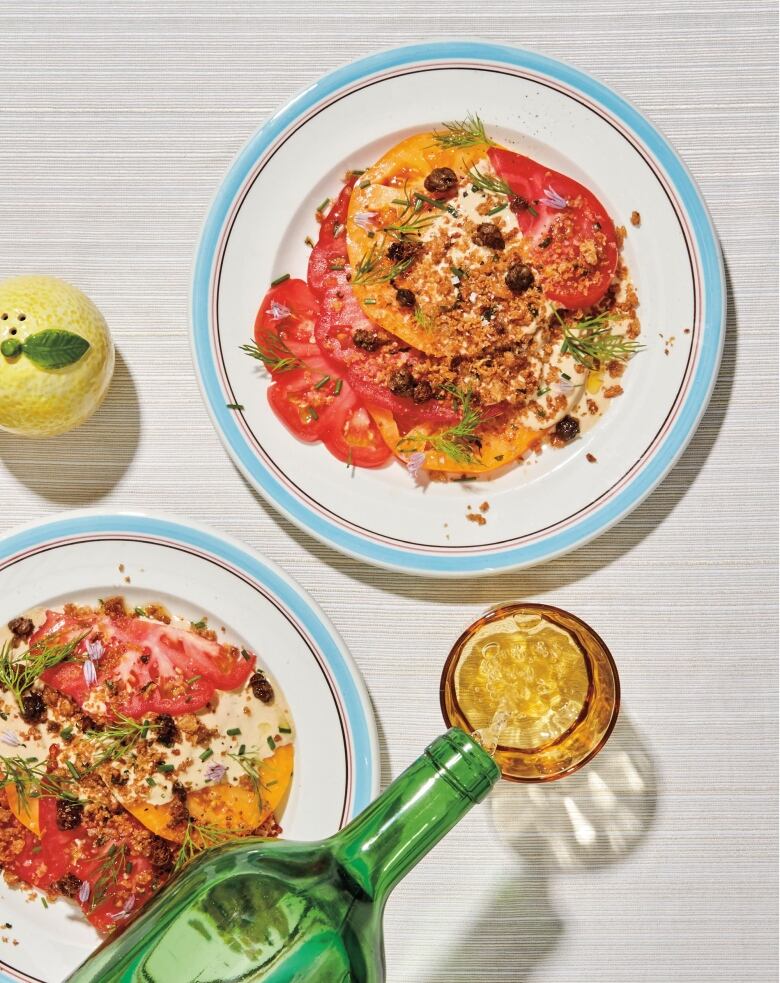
(118, 121)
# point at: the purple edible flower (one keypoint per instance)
(8, 737)
(552, 199)
(277, 311)
(215, 772)
(90, 673)
(414, 462)
(95, 649)
(127, 907)
(366, 220)
(84, 892)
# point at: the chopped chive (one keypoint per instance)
(198, 625)
(139, 612)
(73, 770)
(312, 414)
(271, 743)
(241, 750)
(165, 768)
(285, 730)
(233, 731)
(459, 273)
(206, 754)
(269, 784)
(234, 406)
(280, 279)
(369, 300)
(129, 867)
(532, 210)
(336, 264)
(565, 376)
(246, 655)
(497, 209)
(364, 184)
(323, 205)
(150, 782)
(308, 241)
(66, 732)
(323, 381)
(192, 679)
(357, 172)
(44, 902)
(543, 392)
(337, 387)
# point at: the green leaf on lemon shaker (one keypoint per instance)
(54, 348)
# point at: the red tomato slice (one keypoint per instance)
(287, 314)
(352, 436)
(328, 258)
(43, 862)
(574, 242)
(152, 667)
(301, 398)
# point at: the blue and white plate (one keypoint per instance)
(195, 572)
(560, 499)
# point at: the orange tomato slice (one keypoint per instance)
(402, 170)
(503, 440)
(27, 813)
(230, 807)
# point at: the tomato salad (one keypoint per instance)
(129, 741)
(464, 305)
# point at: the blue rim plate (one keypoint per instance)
(473, 553)
(147, 557)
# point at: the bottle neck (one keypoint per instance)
(395, 832)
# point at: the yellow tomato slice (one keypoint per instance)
(27, 813)
(401, 171)
(503, 441)
(230, 807)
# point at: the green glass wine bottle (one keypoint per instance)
(281, 911)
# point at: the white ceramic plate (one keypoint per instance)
(553, 503)
(195, 572)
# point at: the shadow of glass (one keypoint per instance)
(82, 466)
(593, 818)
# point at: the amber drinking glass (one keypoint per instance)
(541, 685)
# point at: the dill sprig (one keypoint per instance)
(425, 321)
(275, 356)
(249, 762)
(459, 441)
(372, 268)
(19, 671)
(198, 838)
(117, 739)
(409, 227)
(32, 781)
(496, 186)
(591, 342)
(462, 133)
(111, 867)
(486, 182)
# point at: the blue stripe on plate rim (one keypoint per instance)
(357, 705)
(620, 504)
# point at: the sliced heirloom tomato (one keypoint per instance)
(285, 320)
(574, 242)
(340, 316)
(145, 666)
(352, 436)
(301, 398)
(120, 880)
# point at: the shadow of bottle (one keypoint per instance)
(590, 819)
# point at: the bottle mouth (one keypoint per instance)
(464, 764)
